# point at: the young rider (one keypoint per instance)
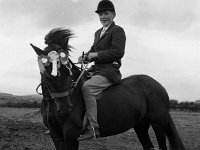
(106, 52)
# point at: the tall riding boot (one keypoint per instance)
(93, 126)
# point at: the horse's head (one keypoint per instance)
(56, 68)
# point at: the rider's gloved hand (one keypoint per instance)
(91, 56)
(83, 59)
(87, 58)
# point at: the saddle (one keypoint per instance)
(87, 75)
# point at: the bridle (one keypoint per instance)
(57, 59)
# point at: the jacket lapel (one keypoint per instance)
(107, 31)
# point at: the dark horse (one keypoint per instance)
(136, 102)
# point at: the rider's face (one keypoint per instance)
(106, 17)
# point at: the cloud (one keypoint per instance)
(172, 58)
(47, 13)
(176, 15)
(162, 39)
(25, 15)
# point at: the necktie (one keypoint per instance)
(103, 31)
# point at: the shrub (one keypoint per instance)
(184, 106)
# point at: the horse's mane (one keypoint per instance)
(59, 36)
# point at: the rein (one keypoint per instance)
(81, 74)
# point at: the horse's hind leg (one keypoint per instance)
(141, 130)
(161, 137)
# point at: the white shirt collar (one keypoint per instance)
(105, 28)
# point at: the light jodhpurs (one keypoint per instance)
(90, 89)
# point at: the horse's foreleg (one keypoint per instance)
(141, 130)
(71, 144)
(70, 135)
(58, 139)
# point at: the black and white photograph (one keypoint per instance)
(99, 74)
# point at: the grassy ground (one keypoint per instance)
(22, 129)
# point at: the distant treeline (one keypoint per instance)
(185, 106)
(174, 105)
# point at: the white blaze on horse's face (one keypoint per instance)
(54, 58)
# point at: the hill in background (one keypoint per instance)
(5, 97)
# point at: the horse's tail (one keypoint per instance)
(175, 142)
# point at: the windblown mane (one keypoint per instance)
(59, 36)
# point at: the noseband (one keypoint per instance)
(54, 94)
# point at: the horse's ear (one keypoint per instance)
(37, 50)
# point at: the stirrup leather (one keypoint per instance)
(93, 131)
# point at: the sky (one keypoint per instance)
(163, 40)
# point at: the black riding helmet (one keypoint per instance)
(105, 5)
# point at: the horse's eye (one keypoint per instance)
(44, 60)
(62, 54)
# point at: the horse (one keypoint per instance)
(137, 102)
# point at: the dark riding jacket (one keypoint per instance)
(110, 48)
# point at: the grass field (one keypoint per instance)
(22, 128)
